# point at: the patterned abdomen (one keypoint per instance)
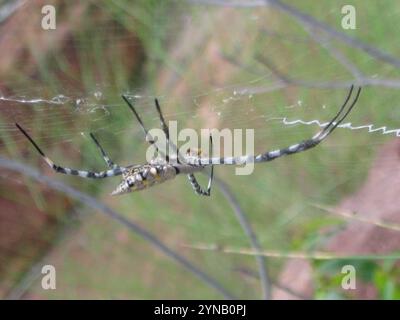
(142, 177)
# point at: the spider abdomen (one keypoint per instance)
(145, 176)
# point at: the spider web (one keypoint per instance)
(260, 71)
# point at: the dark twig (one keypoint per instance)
(275, 283)
(335, 53)
(284, 80)
(361, 81)
(308, 20)
(231, 3)
(132, 226)
(245, 224)
(353, 42)
(7, 9)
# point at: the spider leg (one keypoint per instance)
(196, 186)
(166, 130)
(162, 120)
(295, 148)
(147, 136)
(332, 125)
(315, 140)
(106, 158)
(82, 173)
(146, 132)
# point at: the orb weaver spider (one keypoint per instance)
(158, 170)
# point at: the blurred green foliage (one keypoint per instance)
(128, 46)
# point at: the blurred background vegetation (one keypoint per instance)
(203, 62)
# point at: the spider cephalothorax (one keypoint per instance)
(139, 177)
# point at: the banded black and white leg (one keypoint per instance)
(192, 179)
(115, 171)
(304, 145)
(316, 139)
(106, 158)
(196, 186)
(147, 136)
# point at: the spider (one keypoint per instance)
(158, 170)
